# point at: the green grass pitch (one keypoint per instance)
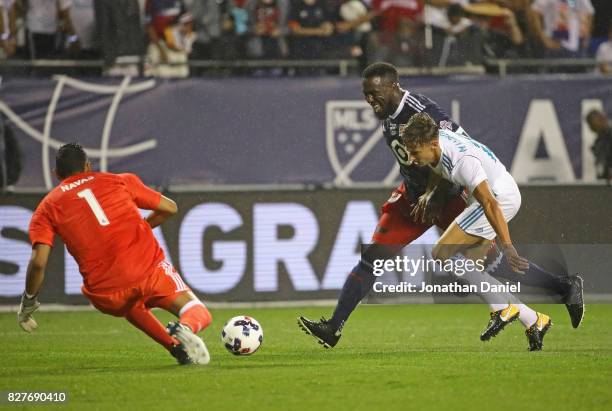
(390, 357)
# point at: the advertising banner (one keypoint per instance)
(290, 130)
(301, 245)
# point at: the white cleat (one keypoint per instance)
(192, 344)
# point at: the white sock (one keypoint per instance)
(496, 307)
(495, 301)
(527, 316)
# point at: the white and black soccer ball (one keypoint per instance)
(242, 335)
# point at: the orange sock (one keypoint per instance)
(195, 315)
(144, 319)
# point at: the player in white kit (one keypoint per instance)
(494, 199)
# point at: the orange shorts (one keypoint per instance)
(157, 290)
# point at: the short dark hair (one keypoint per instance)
(70, 159)
(594, 113)
(421, 128)
(381, 69)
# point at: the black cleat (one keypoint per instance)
(535, 334)
(499, 320)
(322, 331)
(194, 348)
(574, 300)
(181, 355)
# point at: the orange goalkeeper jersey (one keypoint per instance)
(96, 215)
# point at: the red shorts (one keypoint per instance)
(396, 226)
(157, 290)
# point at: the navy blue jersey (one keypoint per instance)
(415, 177)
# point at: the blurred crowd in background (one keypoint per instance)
(408, 33)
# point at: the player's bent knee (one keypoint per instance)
(443, 250)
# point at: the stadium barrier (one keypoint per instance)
(503, 67)
(293, 245)
(341, 67)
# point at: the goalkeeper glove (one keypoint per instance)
(26, 309)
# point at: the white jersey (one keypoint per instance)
(467, 162)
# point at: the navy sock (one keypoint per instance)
(357, 285)
(535, 276)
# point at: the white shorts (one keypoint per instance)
(473, 219)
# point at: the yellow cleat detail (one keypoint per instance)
(509, 313)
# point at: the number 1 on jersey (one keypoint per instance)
(89, 196)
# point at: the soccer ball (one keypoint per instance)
(242, 335)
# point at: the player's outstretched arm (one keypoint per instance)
(491, 208)
(34, 279)
(166, 209)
